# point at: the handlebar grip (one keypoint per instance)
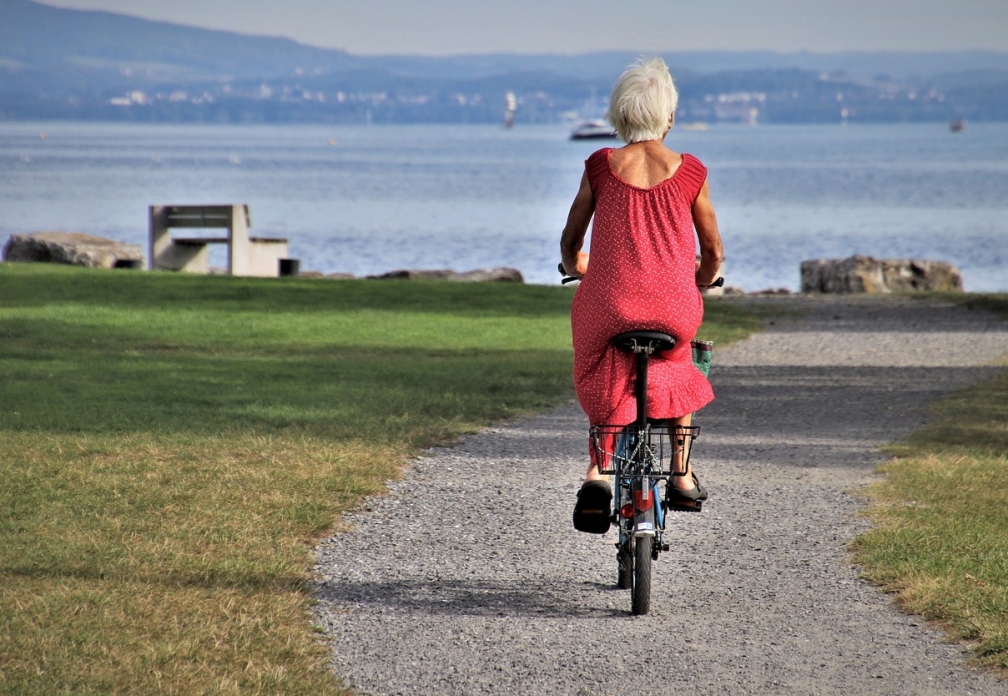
(567, 278)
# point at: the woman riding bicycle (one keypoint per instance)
(646, 201)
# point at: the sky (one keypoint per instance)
(446, 27)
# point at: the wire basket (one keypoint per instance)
(651, 450)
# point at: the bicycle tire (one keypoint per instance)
(624, 570)
(640, 600)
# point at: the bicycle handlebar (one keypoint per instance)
(719, 282)
(566, 278)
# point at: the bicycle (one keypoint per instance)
(640, 456)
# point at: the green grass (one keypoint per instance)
(941, 537)
(174, 445)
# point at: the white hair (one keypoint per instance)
(643, 101)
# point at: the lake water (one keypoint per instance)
(367, 200)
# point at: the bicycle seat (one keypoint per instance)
(629, 341)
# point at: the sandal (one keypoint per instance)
(685, 501)
(592, 513)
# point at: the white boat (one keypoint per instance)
(593, 130)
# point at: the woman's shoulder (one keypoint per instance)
(597, 164)
(599, 156)
(693, 173)
(693, 162)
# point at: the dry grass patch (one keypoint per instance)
(940, 543)
(84, 635)
(141, 565)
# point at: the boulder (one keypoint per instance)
(72, 248)
(490, 275)
(412, 274)
(866, 274)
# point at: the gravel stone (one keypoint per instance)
(468, 578)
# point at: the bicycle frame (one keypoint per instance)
(643, 458)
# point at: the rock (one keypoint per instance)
(499, 275)
(492, 275)
(870, 275)
(772, 291)
(409, 274)
(341, 276)
(72, 248)
(734, 290)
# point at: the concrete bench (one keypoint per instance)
(246, 256)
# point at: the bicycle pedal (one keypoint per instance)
(664, 546)
(681, 507)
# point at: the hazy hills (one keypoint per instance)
(69, 64)
(40, 36)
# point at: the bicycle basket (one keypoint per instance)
(652, 449)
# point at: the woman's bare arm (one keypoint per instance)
(706, 225)
(575, 261)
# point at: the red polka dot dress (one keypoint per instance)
(641, 276)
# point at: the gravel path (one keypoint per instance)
(467, 578)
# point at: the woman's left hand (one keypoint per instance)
(580, 265)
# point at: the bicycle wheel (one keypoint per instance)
(640, 600)
(624, 560)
